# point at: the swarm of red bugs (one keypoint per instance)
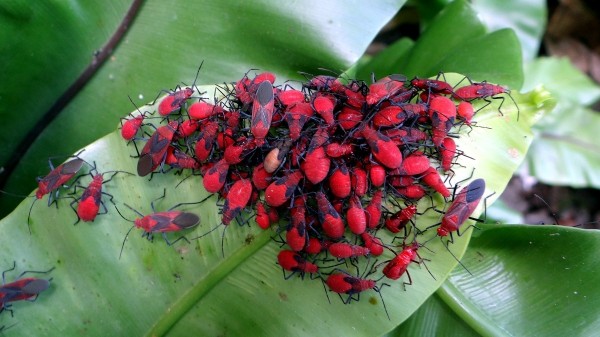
(331, 161)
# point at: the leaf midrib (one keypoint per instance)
(190, 298)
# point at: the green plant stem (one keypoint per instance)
(198, 291)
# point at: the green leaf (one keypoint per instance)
(562, 79)
(500, 212)
(163, 46)
(455, 41)
(456, 24)
(526, 17)
(521, 294)
(191, 287)
(565, 151)
(526, 281)
(568, 154)
(389, 61)
(434, 318)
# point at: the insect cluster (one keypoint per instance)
(331, 163)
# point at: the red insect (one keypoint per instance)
(235, 153)
(131, 126)
(385, 88)
(377, 175)
(356, 216)
(392, 115)
(174, 101)
(373, 243)
(319, 138)
(354, 95)
(177, 98)
(237, 199)
(296, 116)
(414, 192)
(54, 180)
(330, 219)
(187, 128)
(260, 177)
(155, 151)
(202, 110)
(465, 112)
(292, 261)
(462, 207)
(343, 250)
(27, 288)
(291, 97)
(179, 159)
(325, 83)
(282, 189)
(324, 105)
(447, 151)
(413, 164)
(400, 219)
(206, 141)
(442, 112)
(316, 165)
(315, 246)
(339, 182)
(262, 111)
(163, 222)
(432, 86)
(215, 177)
(262, 217)
(483, 90)
(373, 210)
(337, 150)
(91, 199)
(358, 181)
(383, 148)
(349, 118)
(396, 267)
(433, 179)
(296, 234)
(276, 157)
(344, 283)
(57, 177)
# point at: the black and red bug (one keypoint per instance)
(292, 261)
(90, 201)
(282, 189)
(163, 222)
(484, 90)
(262, 111)
(330, 219)
(54, 180)
(154, 152)
(436, 86)
(398, 266)
(356, 216)
(385, 88)
(383, 148)
(462, 207)
(27, 288)
(177, 98)
(296, 235)
(342, 282)
(237, 199)
(344, 250)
